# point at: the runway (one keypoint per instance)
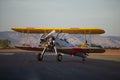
(24, 66)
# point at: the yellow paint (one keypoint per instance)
(63, 30)
(84, 44)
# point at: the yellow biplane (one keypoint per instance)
(48, 41)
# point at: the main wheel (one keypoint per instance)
(59, 57)
(39, 57)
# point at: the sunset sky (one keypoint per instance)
(104, 14)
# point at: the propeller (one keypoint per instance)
(43, 38)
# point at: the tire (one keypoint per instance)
(59, 57)
(39, 57)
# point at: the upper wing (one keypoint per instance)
(63, 30)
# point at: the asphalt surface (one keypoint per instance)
(23, 66)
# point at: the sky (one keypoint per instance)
(103, 14)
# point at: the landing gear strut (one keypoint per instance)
(84, 56)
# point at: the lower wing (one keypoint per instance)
(82, 50)
(66, 49)
(30, 48)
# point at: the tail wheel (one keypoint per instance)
(39, 57)
(83, 59)
(59, 57)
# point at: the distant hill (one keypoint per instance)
(65, 40)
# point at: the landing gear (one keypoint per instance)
(83, 59)
(39, 57)
(84, 56)
(49, 45)
(59, 57)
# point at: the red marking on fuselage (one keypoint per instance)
(34, 48)
(78, 49)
